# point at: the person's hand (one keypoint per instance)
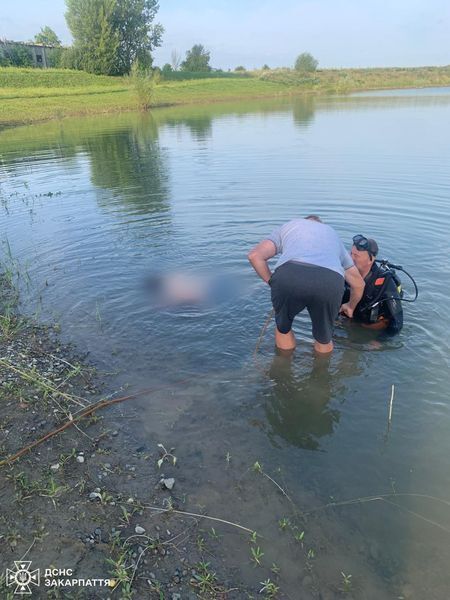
(346, 310)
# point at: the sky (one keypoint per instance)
(338, 33)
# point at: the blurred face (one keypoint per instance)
(362, 259)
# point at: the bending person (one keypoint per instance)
(309, 274)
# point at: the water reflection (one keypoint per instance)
(124, 157)
(131, 164)
(303, 110)
(199, 125)
(298, 406)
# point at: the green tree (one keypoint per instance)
(71, 58)
(4, 60)
(16, 55)
(111, 35)
(306, 63)
(54, 56)
(197, 59)
(138, 34)
(96, 41)
(47, 36)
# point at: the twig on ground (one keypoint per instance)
(80, 415)
(31, 545)
(190, 514)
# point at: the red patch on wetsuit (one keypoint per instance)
(380, 281)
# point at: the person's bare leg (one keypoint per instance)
(285, 341)
(323, 348)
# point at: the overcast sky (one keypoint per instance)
(339, 33)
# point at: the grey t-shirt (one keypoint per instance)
(311, 242)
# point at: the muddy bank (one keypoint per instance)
(79, 503)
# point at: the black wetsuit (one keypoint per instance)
(381, 299)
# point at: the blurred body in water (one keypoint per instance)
(179, 288)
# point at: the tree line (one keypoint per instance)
(110, 36)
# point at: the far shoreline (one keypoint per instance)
(30, 96)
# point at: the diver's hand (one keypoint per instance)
(346, 310)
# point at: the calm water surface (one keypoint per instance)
(91, 206)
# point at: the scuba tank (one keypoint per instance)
(376, 292)
(387, 299)
(398, 282)
(382, 284)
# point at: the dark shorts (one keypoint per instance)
(296, 286)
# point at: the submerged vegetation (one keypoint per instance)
(31, 95)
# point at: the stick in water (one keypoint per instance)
(390, 404)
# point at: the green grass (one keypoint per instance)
(18, 77)
(28, 104)
(36, 92)
(214, 90)
(32, 95)
(30, 109)
(347, 80)
(183, 75)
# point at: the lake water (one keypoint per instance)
(91, 206)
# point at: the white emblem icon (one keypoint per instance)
(22, 577)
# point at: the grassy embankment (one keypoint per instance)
(31, 95)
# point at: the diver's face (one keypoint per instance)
(361, 258)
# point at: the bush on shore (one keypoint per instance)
(144, 82)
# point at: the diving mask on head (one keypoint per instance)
(362, 243)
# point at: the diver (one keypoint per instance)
(380, 308)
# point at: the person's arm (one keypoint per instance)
(258, 257)
(356, 283)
